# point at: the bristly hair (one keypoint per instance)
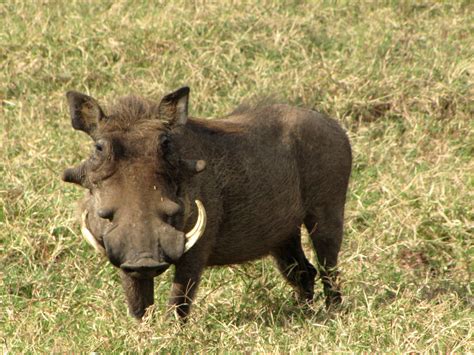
(131, 110)
(255, 104)
(222, 125)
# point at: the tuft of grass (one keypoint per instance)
(397, 76)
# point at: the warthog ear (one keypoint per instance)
(85, 112)
(173, 108)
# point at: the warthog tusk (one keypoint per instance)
(87, 234)
(191, 237)
(198, 230)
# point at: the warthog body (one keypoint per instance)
(260, 173)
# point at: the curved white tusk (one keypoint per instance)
(198, 230)
(87, 234)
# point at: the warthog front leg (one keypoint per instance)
(139, 294)
(185, 284)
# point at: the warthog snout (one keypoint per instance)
(144, 267)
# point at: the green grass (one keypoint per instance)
(398, 77)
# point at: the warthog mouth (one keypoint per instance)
(191, 238)
(145, 268)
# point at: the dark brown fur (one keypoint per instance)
(269, 169)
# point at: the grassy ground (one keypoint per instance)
(398, 77)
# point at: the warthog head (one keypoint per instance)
(132, 212)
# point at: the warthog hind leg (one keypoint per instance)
(294, 266)
(326, 228)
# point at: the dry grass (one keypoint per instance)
(398, 77)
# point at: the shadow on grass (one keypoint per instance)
(263, 308)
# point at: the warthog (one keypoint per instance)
(165, 189)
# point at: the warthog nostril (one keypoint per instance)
(106, 213)
(144, 265)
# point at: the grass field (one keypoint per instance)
(398, 77)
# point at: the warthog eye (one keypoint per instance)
(102, 146)
(102, 154)
(165, 144)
